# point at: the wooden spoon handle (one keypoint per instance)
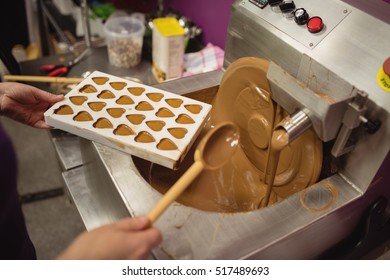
(43, 79)
(175, 191)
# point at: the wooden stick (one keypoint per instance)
(175, 191)
(43, 79)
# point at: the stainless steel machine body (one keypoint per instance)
(341, 62)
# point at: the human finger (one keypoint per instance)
(45, 96)
(153, 235)
(146, 241)
(41, 124)
(135, 223)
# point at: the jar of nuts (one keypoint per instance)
(124, 38)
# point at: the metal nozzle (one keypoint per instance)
(295, 124)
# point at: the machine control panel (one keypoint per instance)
(306, 21)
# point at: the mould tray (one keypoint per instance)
(150, 123)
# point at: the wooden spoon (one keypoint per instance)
(214, 150)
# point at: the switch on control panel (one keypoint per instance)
(287, 8)
(274, 4)
(315, 24)
(301, 16)
(259, 3)
(383, 76)
(386, 67)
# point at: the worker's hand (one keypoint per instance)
(25, 103)
(130, 238)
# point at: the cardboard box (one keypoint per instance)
(168, 49)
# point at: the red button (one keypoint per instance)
(386, 67)
(315, 24)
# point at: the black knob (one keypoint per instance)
(301, 16)
(275, 5)
(287, 8)
(372, 126)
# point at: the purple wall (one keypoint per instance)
(377, 8)
(211, 15)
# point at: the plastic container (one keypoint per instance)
(124, 38)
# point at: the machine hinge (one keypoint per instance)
(353, 117)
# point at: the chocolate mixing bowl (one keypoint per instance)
(244, 98)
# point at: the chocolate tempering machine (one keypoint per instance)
(328, 68)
